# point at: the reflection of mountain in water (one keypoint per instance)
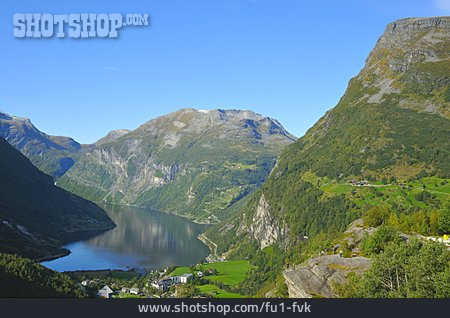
(148, 232)
(142, 238)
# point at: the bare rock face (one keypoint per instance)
(410, 57)
(412, 40)
(316, 277)
(264, 228)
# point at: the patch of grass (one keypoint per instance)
(339, 267)
(216, 292)
(181, 270)
(229, 273)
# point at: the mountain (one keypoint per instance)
(197, 163)
(54, 155)
(36, 217)
(382, 153)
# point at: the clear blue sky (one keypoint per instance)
(290, 60)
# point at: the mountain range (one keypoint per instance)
(195, 163)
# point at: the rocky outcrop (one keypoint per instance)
(316, 277)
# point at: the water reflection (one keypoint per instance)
(142, 238)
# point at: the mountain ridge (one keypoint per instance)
(54, 155)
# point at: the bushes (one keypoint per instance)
(424, 196)
(22, 277)
(404, 270)
(443, 221)
(187, 291)
(375, 243)
(375, 216)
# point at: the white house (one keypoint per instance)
(105, 292)
(185, 278)
(134, 291)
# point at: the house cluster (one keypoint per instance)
(360, 183)
(132, 291)
(165, 283)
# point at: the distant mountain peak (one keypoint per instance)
(215, 122)
(198, 163)
(52, 154)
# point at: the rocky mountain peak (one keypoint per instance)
(220, 122)
(414, 39)
(409, 63)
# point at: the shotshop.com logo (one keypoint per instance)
(74, 25)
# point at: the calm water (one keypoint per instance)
(142, 238)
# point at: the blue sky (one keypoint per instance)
(290, 60)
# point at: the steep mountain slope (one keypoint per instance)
(54, 155)
(199, 164)
(36, 217)
(383, 149)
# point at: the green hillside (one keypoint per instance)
(21, 277)
(382, 152)
(36, 217)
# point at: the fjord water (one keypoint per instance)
(143, 238)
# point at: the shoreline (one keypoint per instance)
(192, 219)
(50, 258)
(141, 272)
(66, 252)
(212, 257)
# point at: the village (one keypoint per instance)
(200, 281)
(156, 285)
